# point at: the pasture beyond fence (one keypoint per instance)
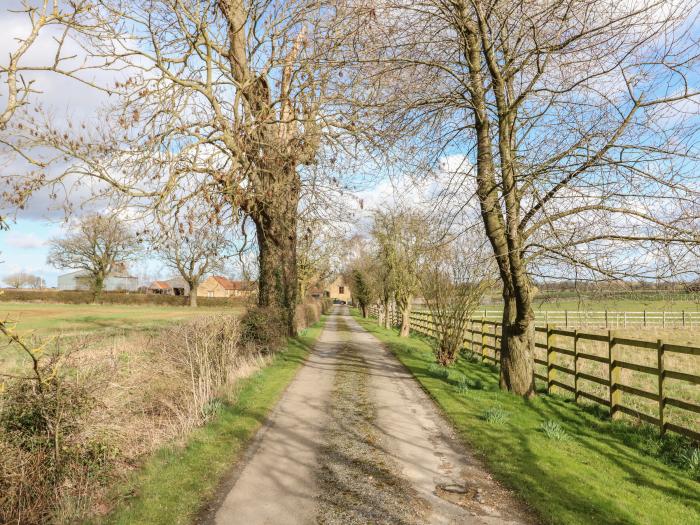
(650, 381)
(606, 318)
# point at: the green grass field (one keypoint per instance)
(569, 463)
(39, 321)
(49, 319)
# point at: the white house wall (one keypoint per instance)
(74, 281)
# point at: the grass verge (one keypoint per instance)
(570, 465)
(174, 483)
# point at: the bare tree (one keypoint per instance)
(192, 249)
(23, 279)
(45, 17)
(223, 102)
(402, 237)
(453, 280)
(98, 244)
(317, 253)
(362, 288)
(576, 122)
(384, 282)
(16, 280)
(36, 282)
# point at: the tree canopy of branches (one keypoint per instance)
(15, 73)
(98, 244)
(577, 122)
(402, 240)
(222, 102)
(362, 290)
(22, 279)
(192, 249)
(318, 252)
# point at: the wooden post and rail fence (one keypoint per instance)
(482, 339)
(606, 318)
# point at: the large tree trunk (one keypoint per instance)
(405, 320)
(517, 345)
(277, 242)
(98, 285)
(193, 295)
(363, 307)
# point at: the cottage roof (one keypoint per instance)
(229, 284)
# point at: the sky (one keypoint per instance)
(25, 246)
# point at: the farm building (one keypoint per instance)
(218, 286)
(174, 286)
(160, 288)
(82, 280)
(339, 290)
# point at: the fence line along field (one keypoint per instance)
(648, 380)
(608, 318)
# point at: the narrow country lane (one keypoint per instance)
(355, 440)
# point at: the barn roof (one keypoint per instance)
(159, 285)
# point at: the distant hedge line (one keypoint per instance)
(73, 297)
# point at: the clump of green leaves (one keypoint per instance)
(462, 385)
(476, 384)
(212, 408)
(438, 371)
(496, 416)
(553, 430)
(471, 357)
(691, 459)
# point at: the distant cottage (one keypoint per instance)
(218, 286)
(338, 290)
(81, 280)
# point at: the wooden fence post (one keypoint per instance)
(662, 373)
(497, 350)
(606, 318)
(645, 317)
(470, 328)
(614, 376)
(576, 366)
(483, 340)
(566, 318)
(551, 359)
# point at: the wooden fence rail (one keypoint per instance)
(606, 318)
(483, 337)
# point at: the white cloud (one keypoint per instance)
(24, 241)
